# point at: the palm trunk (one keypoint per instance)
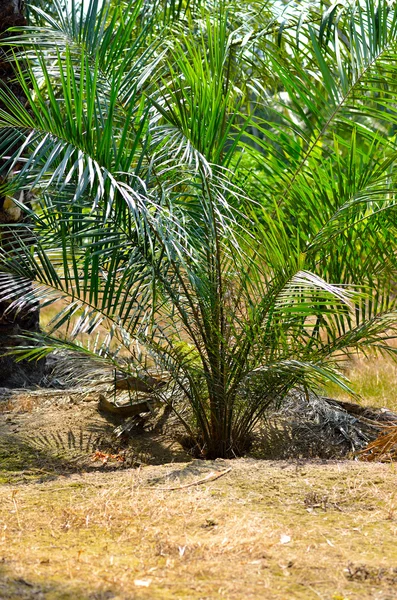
(11, 324)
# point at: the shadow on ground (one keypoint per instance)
(44, 434)
(18, 588)
(45, 456)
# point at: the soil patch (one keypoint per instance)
(45, 433)
(78, 523)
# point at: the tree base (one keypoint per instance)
(196, 447)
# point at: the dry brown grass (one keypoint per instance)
(25, 403)
(118, 535)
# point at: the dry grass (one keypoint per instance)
(25, 403)
(265, 530)
(374, 379)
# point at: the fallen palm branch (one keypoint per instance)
(212, 476)
(383, 448)
(126, 410)
(369, 415)
(308, 425)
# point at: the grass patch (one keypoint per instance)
(19, 462)
(374, 379)
(274, 531)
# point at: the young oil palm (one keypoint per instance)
(210, 196)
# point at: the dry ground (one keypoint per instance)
(264, 530)
(78, 529)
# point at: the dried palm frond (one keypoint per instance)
(308, 425)
(383, 449)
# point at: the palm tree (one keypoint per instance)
(12, 324)
(214, 198)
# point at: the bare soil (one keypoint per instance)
(45, 433)
(87, 516)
